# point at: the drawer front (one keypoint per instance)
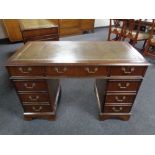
(77, 71)
(38, 108)
(34, 97)
(43, 37)
(31, 85)
(127, 71)
(119, 99)
(125, 85)
(117, 109)
(26, 71)
(40, 32)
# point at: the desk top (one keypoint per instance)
(76, 52)
(29, 24)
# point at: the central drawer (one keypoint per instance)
(77, 71)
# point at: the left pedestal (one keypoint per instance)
(38, 96)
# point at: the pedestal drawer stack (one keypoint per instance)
(34, 91)
(121, 89)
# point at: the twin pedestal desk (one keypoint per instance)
(37, 67)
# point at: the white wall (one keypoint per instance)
(101, 22)
(3, 33)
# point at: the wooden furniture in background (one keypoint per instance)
(87, 25)
(35, 70)
(66, 27)
(150, 44)
(13, 29)
(116, 29)
(132, 31)
(39, 29)
(75, 26)
(137, 30)
(128, 29)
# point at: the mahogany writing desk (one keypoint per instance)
(36, 68)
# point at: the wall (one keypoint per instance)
(101, 22)
(3, 33)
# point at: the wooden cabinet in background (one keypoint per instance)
(69, 27)
(87, 24)
(75, 26)
(39, 30)
(13, 29)
(66, 27)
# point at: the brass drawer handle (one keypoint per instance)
(30, 87)
(91, 71)
(120, 100)
(37, 109)
(34, 98)
(125, 71)
(125, 86)
(117, 110)
(29, 69)
(60, 71)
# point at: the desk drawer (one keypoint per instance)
(38, 108)
(30, 85)
(117, 109)
(119, 98)
(77, 71)
(127, 71)
(39, 32)
(34, 97)
(26, 71)
(123, 85)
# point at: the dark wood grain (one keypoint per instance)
(119, 98)
(30, 85)
(123, 85)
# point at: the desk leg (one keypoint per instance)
(124, 117)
